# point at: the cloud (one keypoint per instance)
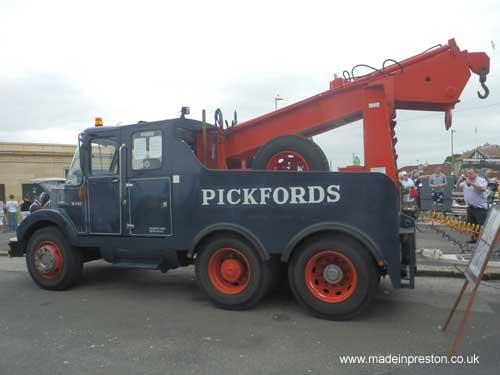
(37, 101)
(253, 96)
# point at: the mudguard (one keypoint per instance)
(333, 227)
(37, 220)
(229, 227)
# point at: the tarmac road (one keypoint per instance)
(144, 322)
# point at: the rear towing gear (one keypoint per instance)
(231, 273)
(291, 153)
(53, 263)
(335, 278)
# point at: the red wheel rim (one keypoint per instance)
(229, 271)
(48, 259)
(287, 161)
(331, 276)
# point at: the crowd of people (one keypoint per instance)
(479, 192)
(412, 187)
(13, 212)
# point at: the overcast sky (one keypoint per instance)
(64, 62)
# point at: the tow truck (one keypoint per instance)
(245, 201)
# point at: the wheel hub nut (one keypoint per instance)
(231, 270)
(46, 260)
(332, 274)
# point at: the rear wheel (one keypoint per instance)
(231, 273)
(334, 278)
(290, 153)
(52, 262)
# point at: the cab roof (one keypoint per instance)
(176, 122)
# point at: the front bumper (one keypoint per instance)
(15, 248)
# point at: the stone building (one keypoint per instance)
(22, 162)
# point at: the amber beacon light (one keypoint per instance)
(98, 121)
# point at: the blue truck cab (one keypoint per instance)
(138, 197)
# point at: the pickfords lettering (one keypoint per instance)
(266, 195)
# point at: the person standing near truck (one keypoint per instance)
(12, 206)
(492, 187)
(474, 188)
(437, 183)
(419, 182)
(25, 208)
(408, 190)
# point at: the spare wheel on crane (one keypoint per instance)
(290, 153)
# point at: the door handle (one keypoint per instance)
(115, 180)
(164, 204)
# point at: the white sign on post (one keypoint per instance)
(484, 245)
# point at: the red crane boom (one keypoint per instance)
(430, 81)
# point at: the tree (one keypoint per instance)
(449, 158)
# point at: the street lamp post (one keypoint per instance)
(276, 101)
(453, 131)
(452, 154)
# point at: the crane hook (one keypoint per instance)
(482, 80)
(219, 119)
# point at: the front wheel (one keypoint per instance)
(52, 262)
(334, 278)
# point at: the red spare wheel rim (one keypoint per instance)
(229, 271)
(287, 161)
(331, 276)
(48, 260)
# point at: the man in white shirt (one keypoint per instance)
(12, 206)
(474, 188)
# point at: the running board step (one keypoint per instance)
(136, 265)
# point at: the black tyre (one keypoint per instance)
(290, 152)
(333, 277)
(231, 273)
(52, 262)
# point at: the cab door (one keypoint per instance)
(148, 185)
(103, 188)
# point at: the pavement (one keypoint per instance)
(144, 322)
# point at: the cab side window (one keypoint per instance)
(104, 157)
(147, 150)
